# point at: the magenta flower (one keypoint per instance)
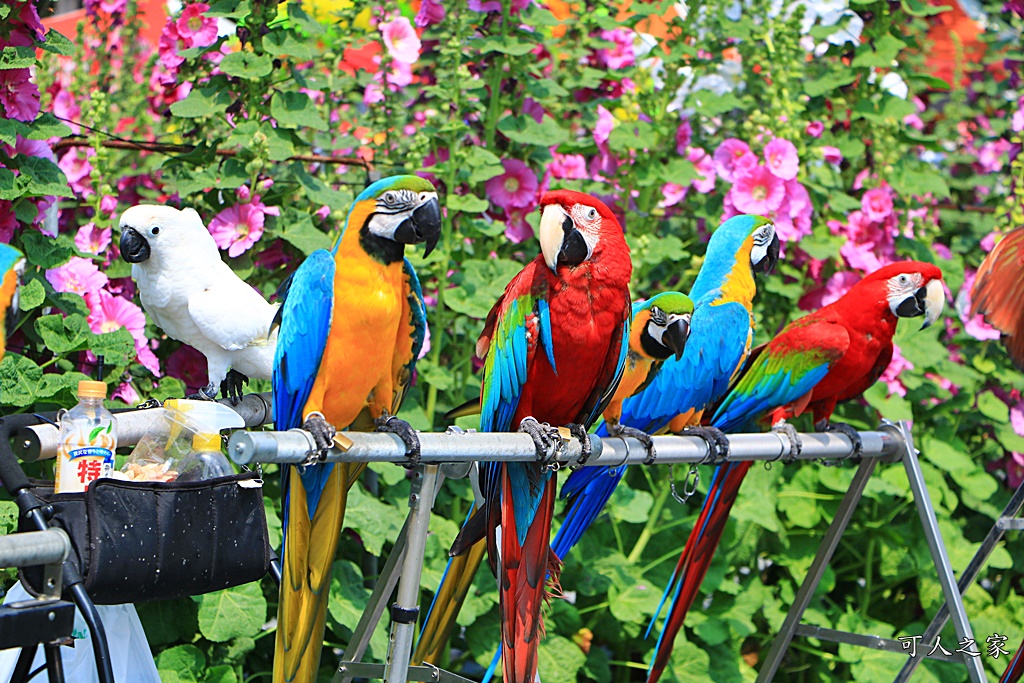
(705, 166)
(758, 191)
(1017, 417)
(237, 228)
(974, 326)
(621, 55)
(28, 25)
(815, 129)
(604, 126)
(171, 42)
(8, 221)
(782, 159)
(401, 40)
(91, 240)
(892, 373)
(568, 166)
(79, 276)
(672, 194)
(495, 6)
(517, 229)
(18, 94)
(126, 392)
(109, 313)
(877, 204)
(684, 133)
(189, 366)
(197, 29)
(832, 155)
(77, 169)
(515, 188)
(732, 158)
(431, 12)
(837, 285)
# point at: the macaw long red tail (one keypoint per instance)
(1016, 667)
(696, 558)
(523, 584)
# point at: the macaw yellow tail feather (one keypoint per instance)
(451, 594)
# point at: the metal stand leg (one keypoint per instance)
(24, 665)
(54, 664)
(938, 550)
(969, 576)
(825, 551)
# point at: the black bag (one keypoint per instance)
(141, 541)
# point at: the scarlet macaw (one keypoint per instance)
(554, 347)
(831, 355)
(352, 326)
(12, 264)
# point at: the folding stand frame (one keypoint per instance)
(404, 564)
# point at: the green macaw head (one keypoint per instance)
(396, 211)
(665, 324)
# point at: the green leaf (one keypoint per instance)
(280, 144)
(300, 232)
(41, 177)
(319, 192)
(19, 378)
(117, 347)
(169, 387)
(916, 8)
(31, 295)
(993, 407)
(374, 521)
(630, 505)
(181, 664)
(288, 44)
(247, 65)
(632, 135)
(20, 57)
(231, 613)
(481, 283)
(829, 82)
(508, 45)
(303, 21)
(348, 595)
(525, 130)
(59, 45)
(559, 659)
(10, 129)
(47, 126)
(466, 203)
(168, 621)
(881, 53)
(204, 101)
(64, 334)
(221, 673)
(921, 180)
(710, 104)
(296, 110)
(229, 9)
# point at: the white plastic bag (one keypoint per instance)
(130, 656)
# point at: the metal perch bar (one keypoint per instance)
(294, 447)
(32, 548)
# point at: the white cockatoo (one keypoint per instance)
(196, 298)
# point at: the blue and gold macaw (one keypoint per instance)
(352, 325)
(720, 335)
(12, 264)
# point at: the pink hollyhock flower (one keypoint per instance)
(1017, 417)
(942, 251)
(374, 93)
(495, 6)
(705, 167)
(832, 155)
(533, 109)
(77, 169)
(604, 126)
(517, 229)
(31, 148)
(109, 313)
(758, 191)
(684, 133)
(108, 204)
(78, 275)
(837, 285)
(877, 204)
(622, 54)
(195, 27)
(431, 12)
(732, 158)
(1013, 463)
(171, 42)
(8, 221)
(782, 159)
(91, 240)
(891, 375)
(18, 94)
(988, 242)
(815, 129)
(273, 257)
(515, 188)
(126, 392)
(188, 365)
(401, 40)
(237, 228)
(1017, 121)
(993, 155)
(800, 207)
(974, 326)
(568, 166)
(425, 349)
(30, 23)
(672, 194)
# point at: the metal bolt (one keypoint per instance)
(51, 616)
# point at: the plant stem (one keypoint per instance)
(652, 521)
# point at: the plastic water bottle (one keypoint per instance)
(88, 439)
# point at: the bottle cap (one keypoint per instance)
(91, 389)
(206, 442)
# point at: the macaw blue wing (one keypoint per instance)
(718, 344)
(413, 331)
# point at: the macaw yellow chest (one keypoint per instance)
(357, 368)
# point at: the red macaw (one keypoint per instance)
(831, 355)
(554, 347)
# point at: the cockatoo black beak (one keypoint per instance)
(134, 247)
(676, 335)
(424, 225)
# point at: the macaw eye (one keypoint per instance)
(591, 214)
(389, 198)
(904, 279)
(155, 231)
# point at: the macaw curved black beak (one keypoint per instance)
(771, 258)
(676, 335)
(134, 247)
(561, 242)
(424, 225)
(927, 301)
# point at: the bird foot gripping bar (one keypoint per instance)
(891, 443)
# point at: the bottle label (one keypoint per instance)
(83, 465)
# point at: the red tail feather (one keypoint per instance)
(1015, 669)
(524, 571)
(696, 559)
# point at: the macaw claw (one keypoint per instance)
(207, 393)
(544, 437)
(641, 436)
(841, 428)
(586, 448)
(404, 431)
(231, 387)
(717, 441)
(323, 433)
(795, 444)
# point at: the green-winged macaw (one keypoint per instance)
(12, 263)
(554, 348)
(351, 327)
(831, 355)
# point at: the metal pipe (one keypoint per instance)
(294, 447)
(39, 442)
(33, 548)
